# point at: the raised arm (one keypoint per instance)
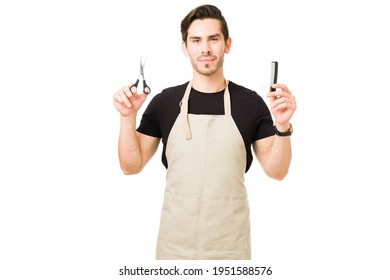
(274, 152)
(134, 149)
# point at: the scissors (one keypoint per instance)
(133, 88)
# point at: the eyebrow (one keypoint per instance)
(209, 37)
(215, 36)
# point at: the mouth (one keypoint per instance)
(206, 59)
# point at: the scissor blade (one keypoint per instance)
(142, 65)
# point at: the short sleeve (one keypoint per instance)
(264, 121)
(149, 124)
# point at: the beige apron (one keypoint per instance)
(205, 214)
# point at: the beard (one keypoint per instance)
(207, 69)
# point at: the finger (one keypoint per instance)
(279, 93)
(128, 90)
(279, 101)
(124, 98)
(133, 89)
(282, 103)
(116, 97)
(279, 105)
(285, 98)
(283, 106)
(283, 87)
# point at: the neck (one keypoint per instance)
(208, 84)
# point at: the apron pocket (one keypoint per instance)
(179, 219)
(224, 225)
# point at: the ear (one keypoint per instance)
(184, 48)
(228, 45)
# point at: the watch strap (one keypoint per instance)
(285, 133)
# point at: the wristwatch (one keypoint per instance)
(286, 133)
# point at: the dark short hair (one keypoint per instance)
(203, 12)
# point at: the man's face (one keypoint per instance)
(206, 46)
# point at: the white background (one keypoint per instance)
(67, 211)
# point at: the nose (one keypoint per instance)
(206, 50)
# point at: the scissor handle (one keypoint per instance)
(133, 88)
(147, 89)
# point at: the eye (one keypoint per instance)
(215, 39)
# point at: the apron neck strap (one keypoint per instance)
(226, 100)
(184, 107)
(184, 111)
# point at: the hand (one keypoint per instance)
(128, 103)
(282, 104)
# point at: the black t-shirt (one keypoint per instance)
(249, 112)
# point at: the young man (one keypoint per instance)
(207, 127)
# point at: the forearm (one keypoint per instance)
(128, 146)
(279, 158)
